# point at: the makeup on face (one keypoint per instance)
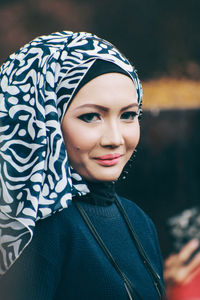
(102, 121)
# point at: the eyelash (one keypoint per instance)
(95, 117)
(129, 115)
(89, 117)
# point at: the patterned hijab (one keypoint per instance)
(36, 86)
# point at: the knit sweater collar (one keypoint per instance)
(101, 193)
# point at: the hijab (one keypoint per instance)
(37, 84)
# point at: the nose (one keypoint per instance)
(112, 136)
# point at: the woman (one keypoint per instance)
(69, 124)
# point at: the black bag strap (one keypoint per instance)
(156, 278)
(128, 285)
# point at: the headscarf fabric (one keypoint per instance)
(37, 84)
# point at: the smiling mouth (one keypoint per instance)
(109, 160)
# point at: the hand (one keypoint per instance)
(176, 268)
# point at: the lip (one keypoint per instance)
(109, 159)
(109, 156)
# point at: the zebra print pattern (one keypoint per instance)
(36, 85)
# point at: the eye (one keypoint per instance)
(129, 115)
(90, 117)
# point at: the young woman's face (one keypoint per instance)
(101, 128)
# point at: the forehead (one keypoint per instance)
(109, 88)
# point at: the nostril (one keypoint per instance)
(112, 135)
(112, 141)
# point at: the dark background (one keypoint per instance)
(161, 38)
(165, 175)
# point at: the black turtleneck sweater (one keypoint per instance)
(64, 261)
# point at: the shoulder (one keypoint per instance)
(145, 231)
(142, 223)
(135, 212)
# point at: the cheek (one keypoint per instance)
(78, 138)
(132, 137)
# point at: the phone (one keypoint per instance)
(184, 227)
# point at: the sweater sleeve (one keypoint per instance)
(36, 273)
(147, 234)
(31, 277)
(156, 246)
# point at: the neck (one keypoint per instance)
(101, 193)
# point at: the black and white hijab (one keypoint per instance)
(36, 86)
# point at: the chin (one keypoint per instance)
(104, 177)
(99, 173)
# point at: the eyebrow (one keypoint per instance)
(104, 108)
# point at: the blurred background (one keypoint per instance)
(162, 40)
